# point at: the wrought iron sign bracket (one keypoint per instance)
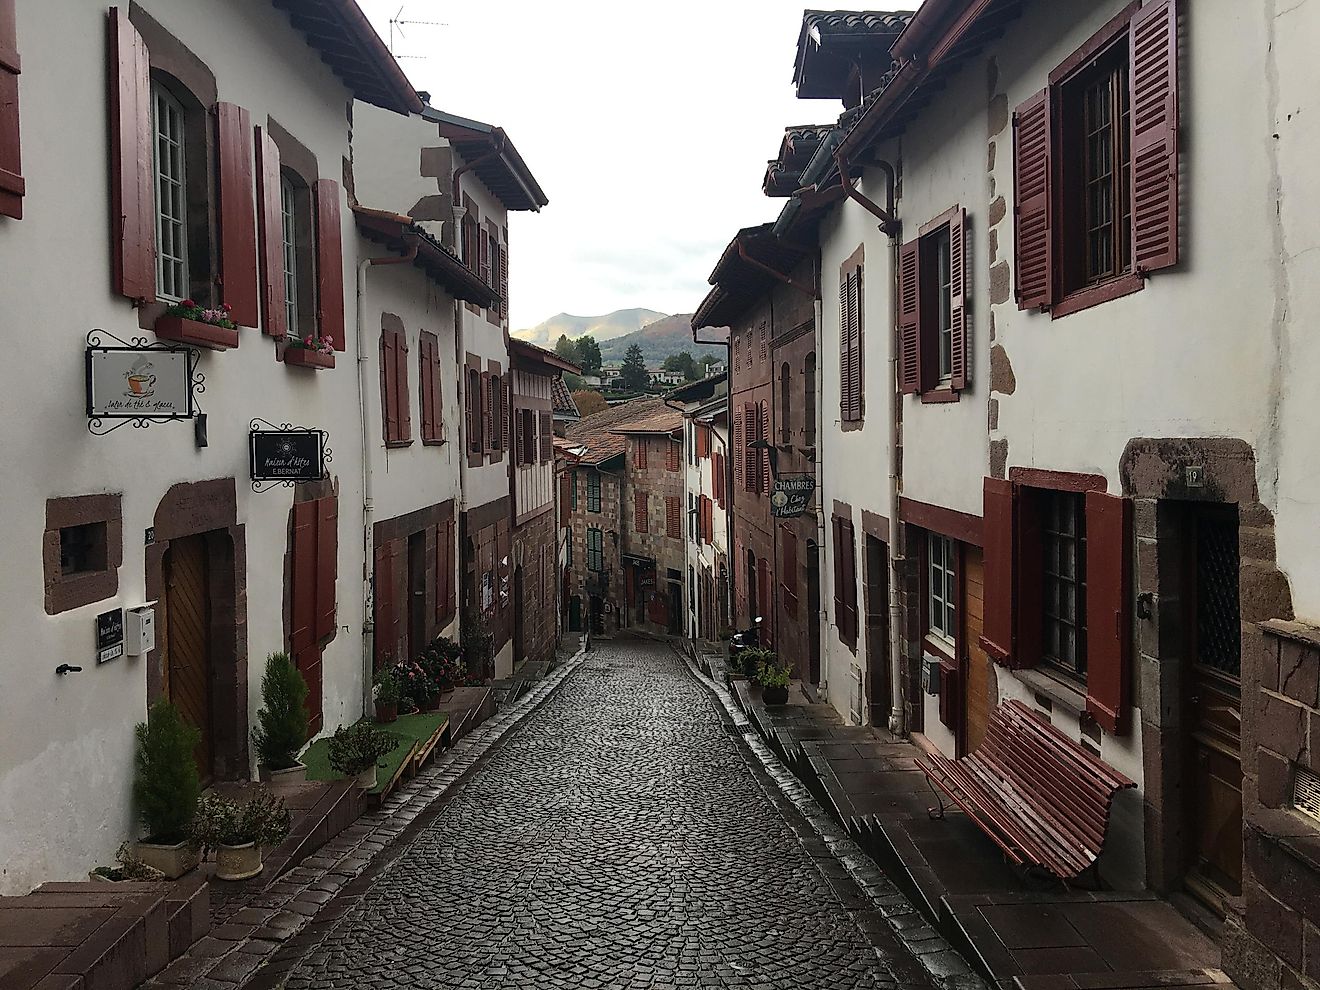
(140, 388)
(262, 482)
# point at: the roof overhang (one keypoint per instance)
(493, 157)
(696, 391)
(402, 235)
(753, 263)
(838, 51)
(783, 174)
(529, 357)
(347, 42)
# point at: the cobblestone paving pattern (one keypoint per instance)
(617, 840)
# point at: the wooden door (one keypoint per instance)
(187, 663)
(417, 611)
(1213, 704)
(980, 672)
(877, 630)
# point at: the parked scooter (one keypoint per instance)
(744, 639)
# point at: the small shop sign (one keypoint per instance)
(285, 454)
(139, 382)
(110, 635)
(792, 495)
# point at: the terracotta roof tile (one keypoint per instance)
(598, 432)
(561, 399)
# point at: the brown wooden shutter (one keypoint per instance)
(950, 695)
(484, 404)
(1108, 609)
(788, 576)
(270, 237)
(329, 263)
(999, 513)
(1033, 235)
(846, 317)
(504, 277)
(12, 186)
(425, 359)
(302, 603)
(132, 174)
(639, 511)
(547, 438)
(327, 564)
(237, 221)
(836, 526)
(849, 580)
(639, 445)
(737, 447)
(909, 318)
(958, 300)
(673, 517)
(672, 459)
(389, 392)
(386, 607)
(506, 413)
(483, 243)
(401, 387)
(857, 327)
(1154, 40)
(765, 451)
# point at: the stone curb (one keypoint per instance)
(941, 961)
(262, 923)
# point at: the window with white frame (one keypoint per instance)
(940, 588)
(171, 196)
(288, 211)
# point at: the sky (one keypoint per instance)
(647, 125)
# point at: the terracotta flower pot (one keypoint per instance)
(238, 862)
(196, 333)
(172, 860)
(387, 711)
(367, 778)
(294, 774)
(305, 357)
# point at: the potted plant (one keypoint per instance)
(753, 658)
(446, 658)
(166, 788)
(204, 326)
(237, 830)
(774, 678)
(416, 688)
(356, 749)
(130, 868)
(310, 351)
(477, 643)
(281, 727)
(388, 692)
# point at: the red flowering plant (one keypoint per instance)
(415, 683)
(191, 310)
(443, 661)
(322, 345)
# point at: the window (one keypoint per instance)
(639, 511)
(171, 196)
(785, 403)
(809, 398)
(476, 426)
(639, 449)
(850, 342)
(82, 549)
(593, 491)
(941, 590)
(1096, 166)
(289, 226)
(673, 517)
(932, 314)
(595, 550)
(1064, 582)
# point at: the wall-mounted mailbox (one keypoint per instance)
(140, 630)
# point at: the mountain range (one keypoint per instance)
(655, 333)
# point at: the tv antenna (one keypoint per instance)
(396, 25)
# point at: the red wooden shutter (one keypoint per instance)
(327, 564)
(132, 197)
(673, 517)
(849, 580)
(302, 604)
(737, 447)
(1108, 609)
(788, 576)
(1154, 40)
(1033, 235)
(547, 437)
(386, 608)
(702, 443)
(958, 300)
(765, 451)
(950, 695)
(836, 526)
(329, 263)
(671, 456)
(484, 405)
(238, 225)
(504, 278)
(640, 446)
(849, 331)
(856, 328)
(270, 237)
(425, 391)
(639, 511)
(506, 413)
(401, 387)
(1000, 510)
(389, 392)
(11, 165)
(909, 318)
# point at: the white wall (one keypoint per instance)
(533, 483)
(66, 747)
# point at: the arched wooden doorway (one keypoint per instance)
(186, 621)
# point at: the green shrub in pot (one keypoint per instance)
(356, 749)
(166, 787)
(281, 727)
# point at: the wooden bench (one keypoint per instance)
(1041, 797)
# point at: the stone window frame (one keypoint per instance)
(65, 593)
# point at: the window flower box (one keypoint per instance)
(305, 357)
(189, 323)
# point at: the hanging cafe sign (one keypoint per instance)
(286, 454)
(139, 382)
(792, 495)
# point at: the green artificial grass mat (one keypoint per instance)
(407, 730)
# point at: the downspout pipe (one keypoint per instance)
(368, 504)
(888, 222)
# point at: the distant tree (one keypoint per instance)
(707, 360)
(632, 374)
(588, 355)
(574, 382)
(566, 349)
(684, 364)
(589, 402)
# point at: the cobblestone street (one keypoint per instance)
(617, 839)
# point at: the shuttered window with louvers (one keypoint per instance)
(11, 167)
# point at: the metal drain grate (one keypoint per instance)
(1306, 792)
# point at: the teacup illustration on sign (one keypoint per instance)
(141, 382)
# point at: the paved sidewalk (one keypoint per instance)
(620, 839)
